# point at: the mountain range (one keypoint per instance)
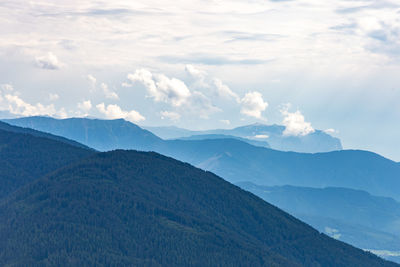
(234, 159)
(370, 181)
(318, 141)
(353, 216)
(98, 134)
(141, 208)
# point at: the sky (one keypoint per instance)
(306, 64)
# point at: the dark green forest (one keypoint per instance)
(24, 158)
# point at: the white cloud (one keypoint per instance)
(253, 105)
(53, 97)
(49, 62)
(161, 88)
(115, 112)
(330, 131)
(174, 116)
(203, 80)
(175, 93)
(224, 91)
(195, 72)
(198, 76)
(18, 106)
(85, 105)
(108, 93)
(11, 100)
(295, 123)
(261, 136)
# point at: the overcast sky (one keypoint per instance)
(332, 65)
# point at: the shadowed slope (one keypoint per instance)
(127, 207)
(24, 157)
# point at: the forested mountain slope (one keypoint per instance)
(24, 157)
(138, 208)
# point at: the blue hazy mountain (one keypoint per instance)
(98, 134)
(238, 161)
(354, 207)
(318, 141)
(224, 136)
(9, 128)
(172, 132)
(131, 208)
(381, 243)
(352, 216)
(235, 160)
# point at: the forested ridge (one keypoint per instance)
(24, 158)
(134, 208)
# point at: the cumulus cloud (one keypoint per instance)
(49, 62)
(18, 106)
(85, 105)
(161, 88)
(108, 93)
(174, 92)
(195, 72)
(253, 105)
(174, 116)
(203, 80)
(295, 124)
(224, 91)
(115, 112)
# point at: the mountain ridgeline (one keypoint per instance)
(9, 128)
(24, 157)
(98, 134)
(353, 216)
(236, 160)
(318, 141)
(117, 134)
(144, 209)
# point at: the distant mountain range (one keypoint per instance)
(237, 160)
(318, 141)
(224, 136)
(102, 135)
(350, 215)
(143, 209)
(7, 127)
